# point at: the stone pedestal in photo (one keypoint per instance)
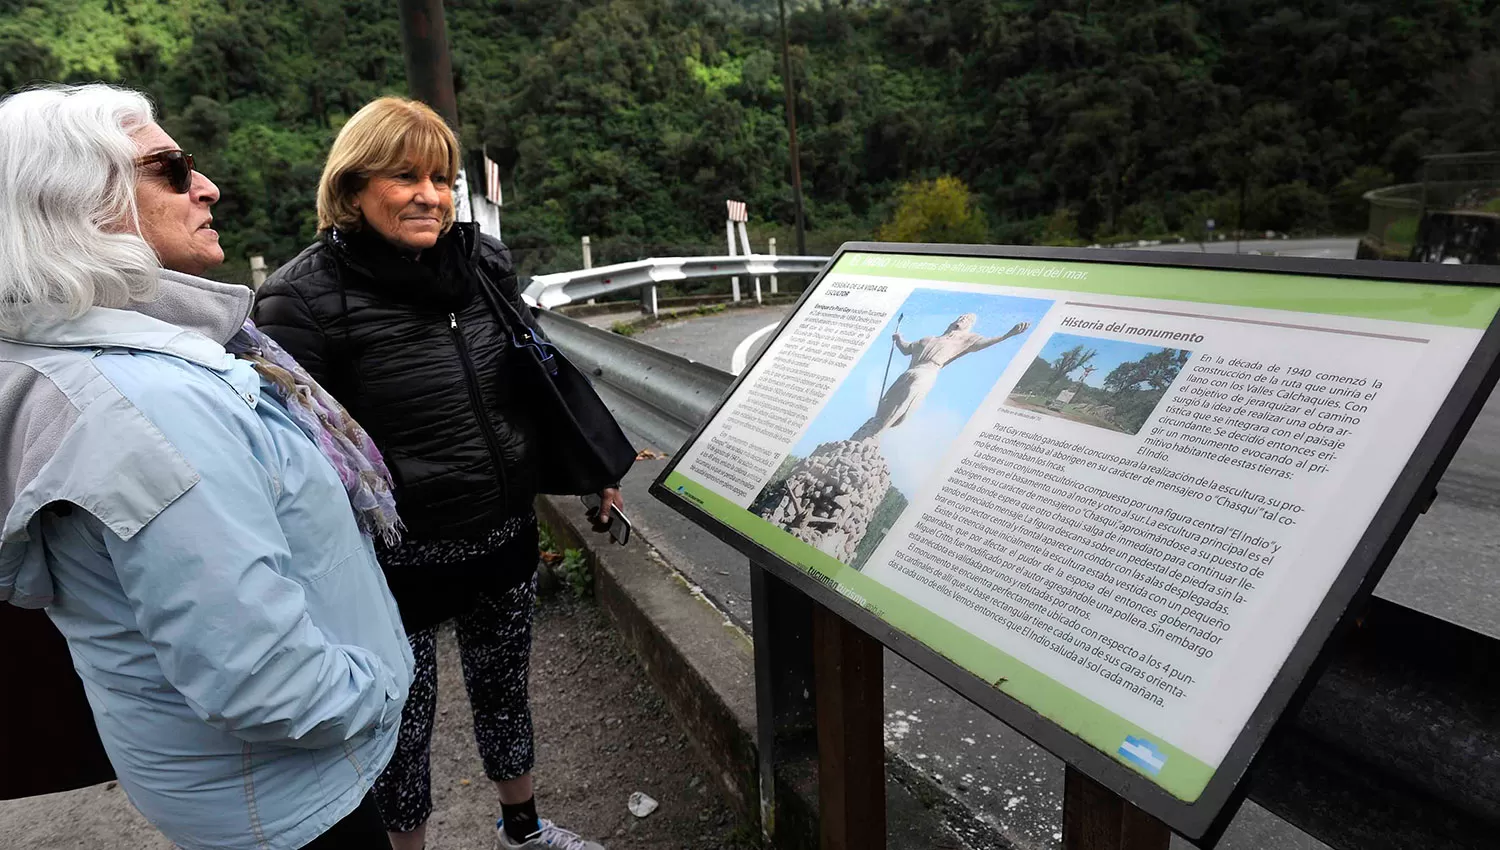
(830, 497)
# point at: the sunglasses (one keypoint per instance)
(177, 167)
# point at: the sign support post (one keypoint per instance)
(851, 741)
(1096, 818)
(782, 630)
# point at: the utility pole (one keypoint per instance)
(791, 126)
(429, 76)
(429, 67)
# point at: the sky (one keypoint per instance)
(1111, 353)
(914, 448)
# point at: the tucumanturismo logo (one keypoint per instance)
(1143, 754)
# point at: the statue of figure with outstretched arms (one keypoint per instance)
(928, 357)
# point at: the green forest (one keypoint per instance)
(631, 121)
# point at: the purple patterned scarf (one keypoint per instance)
(346, 445)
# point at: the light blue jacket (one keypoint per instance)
(243, 656)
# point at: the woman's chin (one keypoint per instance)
(419, 240)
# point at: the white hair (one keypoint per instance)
(69, 226)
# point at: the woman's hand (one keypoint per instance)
(608, 497)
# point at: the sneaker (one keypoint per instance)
(549, 836)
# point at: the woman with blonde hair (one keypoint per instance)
(194, 513)
(413, 321)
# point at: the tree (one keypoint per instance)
(1154, 372)
(940, 210)
(1072, 360)
(23, 61)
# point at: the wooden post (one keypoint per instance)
(784, 684)
(851, 743)
(1096, 818)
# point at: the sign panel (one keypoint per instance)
(1118, 500)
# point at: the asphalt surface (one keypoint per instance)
(1333, 249)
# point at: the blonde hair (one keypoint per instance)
(69, 225)
(383, 138)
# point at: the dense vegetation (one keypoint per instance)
(632, 120)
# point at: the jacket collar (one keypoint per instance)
(191, 318)
(442, 278)
(461, 241)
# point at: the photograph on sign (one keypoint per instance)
(1117, 493)
(881, 436)
(1101, 382)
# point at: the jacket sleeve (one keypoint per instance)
(206, 581)
(283, 315)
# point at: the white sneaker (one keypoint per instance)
(549, 836)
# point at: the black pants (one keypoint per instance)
(359, 830)
(494, 645)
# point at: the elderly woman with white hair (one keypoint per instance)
(194, 513)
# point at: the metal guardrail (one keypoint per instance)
(1397, 744)
(658, 395)
(1395, 214)
(554, 290)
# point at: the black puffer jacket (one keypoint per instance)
(417, 356)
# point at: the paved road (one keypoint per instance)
(1342, 248)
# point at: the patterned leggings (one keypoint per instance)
(494, 644)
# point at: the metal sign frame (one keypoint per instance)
(1204, 820)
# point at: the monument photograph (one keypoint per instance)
(882, 435)
(1106, 383)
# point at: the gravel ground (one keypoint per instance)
(602, 732)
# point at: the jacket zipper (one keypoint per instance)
(471, 379)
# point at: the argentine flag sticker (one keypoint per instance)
(1143, 754)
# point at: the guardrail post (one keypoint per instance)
(588, 258)
(773, 253)
(648, 300)
(1096, 818)
(257, 272)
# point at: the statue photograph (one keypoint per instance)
(883, 434)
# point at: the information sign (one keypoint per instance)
(1121, 500)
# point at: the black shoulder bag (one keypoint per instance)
(582, 447)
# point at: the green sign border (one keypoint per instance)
(1449, 305)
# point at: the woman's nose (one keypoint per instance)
(203, 189)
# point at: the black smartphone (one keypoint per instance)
(619, 524)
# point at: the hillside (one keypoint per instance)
(632, 120)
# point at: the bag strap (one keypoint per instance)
(521, 334)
